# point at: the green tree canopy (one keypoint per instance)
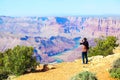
(104, 46)
(17, 61)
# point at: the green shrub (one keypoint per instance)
(3, 76)
(3, 73)
(17, 61)
(84, 76)
(104, 46)
(115, 70)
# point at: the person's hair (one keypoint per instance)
(85, 39)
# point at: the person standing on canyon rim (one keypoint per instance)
(85, 47)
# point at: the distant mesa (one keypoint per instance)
(24, 38)
(43, 18)
(61, 20)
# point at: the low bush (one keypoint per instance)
(104, 46)
(84, 76)
(17, 61)
(115, 70)
(3, 73)
(3, 76)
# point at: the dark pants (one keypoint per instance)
(84, 56)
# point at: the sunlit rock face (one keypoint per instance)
(51, 36)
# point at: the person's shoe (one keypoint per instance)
(83, 63)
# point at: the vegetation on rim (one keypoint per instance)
(104, 46)
(17, 61)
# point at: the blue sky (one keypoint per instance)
(59, 7)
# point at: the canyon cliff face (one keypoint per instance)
(54, 35)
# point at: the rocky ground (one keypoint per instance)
(64, 71)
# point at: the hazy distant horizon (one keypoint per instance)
(68, 16)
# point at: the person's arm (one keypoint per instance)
(81, 42)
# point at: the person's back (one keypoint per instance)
(84, 49)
